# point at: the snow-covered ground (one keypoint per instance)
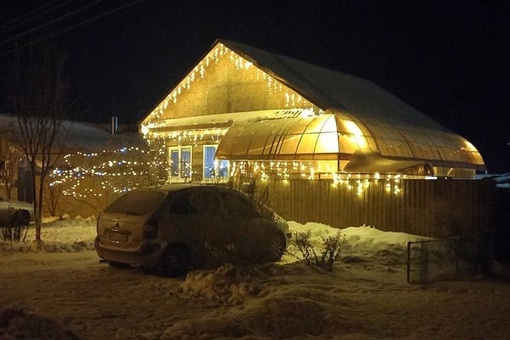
(62, 292)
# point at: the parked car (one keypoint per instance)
(15, 213)
(14, 217)
(177, 227)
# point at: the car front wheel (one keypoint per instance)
(277, 246)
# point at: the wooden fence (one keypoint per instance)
(435, 208)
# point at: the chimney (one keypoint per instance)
(115, 124)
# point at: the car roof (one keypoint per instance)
(181, 186)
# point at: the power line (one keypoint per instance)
(66, 29)
(48, 23)
(10, 25)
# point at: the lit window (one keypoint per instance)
(214, 168)
(180, 162)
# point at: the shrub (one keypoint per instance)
(324, 258)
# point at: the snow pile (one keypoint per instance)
(263, 301)
(58, 235)
(276, 309)
(362, 244)
(266, 302)
(360, 238)
(365, 297)
(17, 324)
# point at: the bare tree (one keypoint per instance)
(39, 103)
(52, 197)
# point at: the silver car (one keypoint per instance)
(179, 227)
(14, 216)
(14, 213)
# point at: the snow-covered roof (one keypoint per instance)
(76, 136)
(334, 90)
(222, 119)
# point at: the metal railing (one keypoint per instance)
(453, 258)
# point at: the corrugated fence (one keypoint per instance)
(437, 208)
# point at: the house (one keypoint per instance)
(78, 181)
(245, 110)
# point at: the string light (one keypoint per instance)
(153, 129)
(361, 183)
(199, 72)
(114, 171)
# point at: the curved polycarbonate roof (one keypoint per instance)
(287, 139)
(338, 137)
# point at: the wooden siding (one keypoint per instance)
(421, 207)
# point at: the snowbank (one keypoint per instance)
(57, 235)
(365, 297)
(264, 303)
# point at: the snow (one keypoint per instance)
(61, 291)
(503, 181)
(236, 118)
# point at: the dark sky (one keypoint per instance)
(448, 59)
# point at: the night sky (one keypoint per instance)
(449, 59)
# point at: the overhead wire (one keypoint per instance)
(66, 29)
(49, 23)
(30, 16)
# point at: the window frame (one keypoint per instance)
(181, 171)
(217, 164)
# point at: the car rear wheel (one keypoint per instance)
(277, 246)
(174, 262)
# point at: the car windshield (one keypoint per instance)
(140, 202)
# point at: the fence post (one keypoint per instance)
(409, 262)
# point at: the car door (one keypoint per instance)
(210, 225)
(246, 226)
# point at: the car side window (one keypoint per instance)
(182, 206)
(237, 207)
(207, 203)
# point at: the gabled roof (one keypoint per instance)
(75, 136)
(334, 90)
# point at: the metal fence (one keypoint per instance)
(451, 258)
(432, 208)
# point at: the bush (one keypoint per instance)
(324, 258)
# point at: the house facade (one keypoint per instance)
(242, 110)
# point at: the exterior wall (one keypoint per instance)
(197, 157)
(226, 87)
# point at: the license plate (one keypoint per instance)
(117, 237)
